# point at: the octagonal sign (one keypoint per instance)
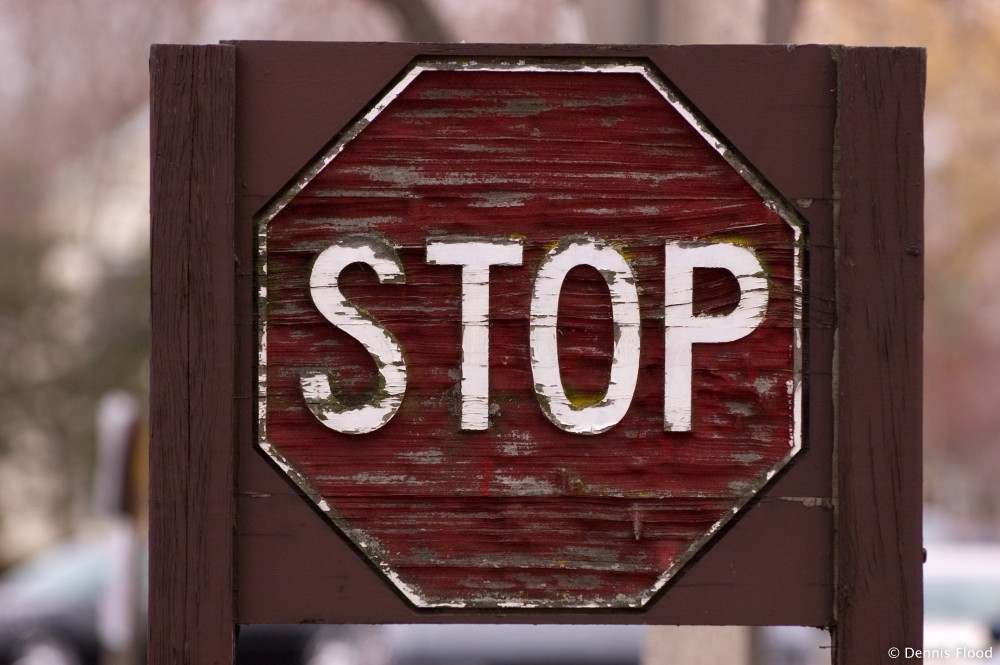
(530, 333)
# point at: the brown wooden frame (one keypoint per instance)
(836, 542)
(193, 389)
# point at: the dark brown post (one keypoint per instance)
(860, 571)
(192, 363)
(879, 310)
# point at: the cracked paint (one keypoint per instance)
(594, 493)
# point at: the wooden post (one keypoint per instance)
(879, 311)
(772, 566)
(192, 360)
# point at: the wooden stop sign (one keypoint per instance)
(530, 333)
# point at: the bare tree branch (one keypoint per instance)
(420, 22)
(779, 20)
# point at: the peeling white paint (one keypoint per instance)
(525, 486)
(683, 328)
(383, 347)
(382, 479)
(558, 408)
(764, 384)
(475, 257)
(372, 548)
(411, 176)
(500, 200)
(809, 501)
(424, 457)
(736, 408)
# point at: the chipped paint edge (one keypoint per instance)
(771, 197)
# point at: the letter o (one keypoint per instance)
(600, 417)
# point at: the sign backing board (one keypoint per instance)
(579, 354)
(833, 540)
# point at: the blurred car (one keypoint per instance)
(962, 603)
(961, 613)
(793, 645)
(50, 606)
(464, 644)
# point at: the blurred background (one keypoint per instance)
(74, 251)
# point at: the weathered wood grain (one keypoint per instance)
(295, 96)
(192, 504)
(527, 514)
(772, 565)
(879, 311)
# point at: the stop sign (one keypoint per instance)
(530, 333)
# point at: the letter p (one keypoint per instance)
(684, 328)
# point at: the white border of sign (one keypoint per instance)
(647, 70)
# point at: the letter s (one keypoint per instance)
(383, 347)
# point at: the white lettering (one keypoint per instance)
(593, 418)
(683, 328)
(383, 347)
(475, 257)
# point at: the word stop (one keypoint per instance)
(682, 326)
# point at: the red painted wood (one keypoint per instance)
(524, 512)
(192, 410)
(773, 565)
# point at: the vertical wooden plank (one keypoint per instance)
(192, 365)
(880, 307)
